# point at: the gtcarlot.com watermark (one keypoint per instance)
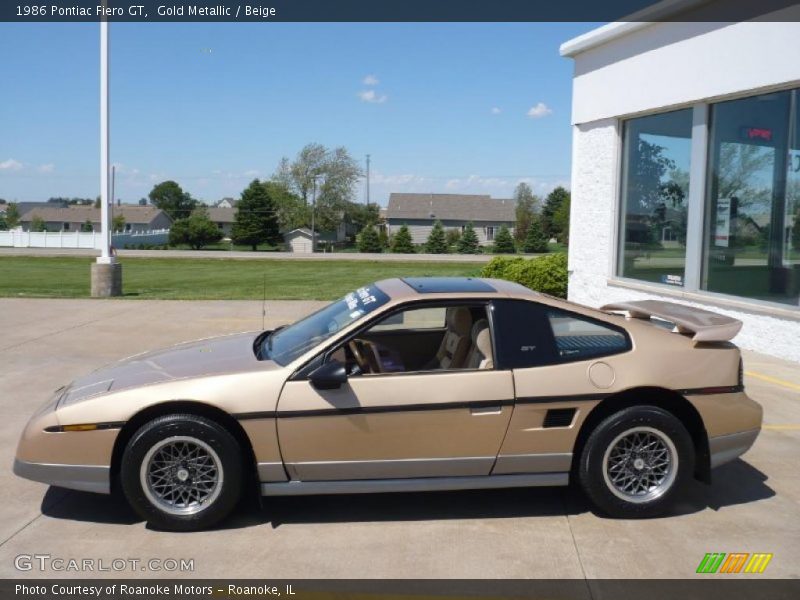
(61, 564)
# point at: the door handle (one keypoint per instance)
(486, 410)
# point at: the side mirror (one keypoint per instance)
(330, 376)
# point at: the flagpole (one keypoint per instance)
(106, 272)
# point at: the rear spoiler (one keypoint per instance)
(706, 326)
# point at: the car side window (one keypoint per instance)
(422, 339)
(579, 338)
(530, 334)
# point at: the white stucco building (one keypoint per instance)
(686, 168)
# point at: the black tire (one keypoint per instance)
(641, 426)
(218, 486)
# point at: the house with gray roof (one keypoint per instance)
(223, 217)
(71, 218)
(455, 211)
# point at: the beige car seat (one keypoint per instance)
(455, 345)
(480, 354)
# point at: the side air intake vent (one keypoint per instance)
(559, 417)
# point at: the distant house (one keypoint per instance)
(223, 217)
(226, 203)
(71, 218)
(455, 211)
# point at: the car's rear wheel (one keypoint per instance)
(182, 472)
(636, 462)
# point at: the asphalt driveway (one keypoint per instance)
(753, 505)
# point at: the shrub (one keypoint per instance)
(402, 242)
(547, 274)
(452, 237)
(503, 242)
(368, 240)
(535, 240)
(197, 230)
(469, 243)
(437, 242)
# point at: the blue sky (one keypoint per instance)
(471, 108)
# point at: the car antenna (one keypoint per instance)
(264, 303)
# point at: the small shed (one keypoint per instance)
(298, 240)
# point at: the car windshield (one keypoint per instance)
(286, 344)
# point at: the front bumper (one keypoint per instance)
(725, 448)
(87, 478)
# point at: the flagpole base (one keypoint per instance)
(106, 280)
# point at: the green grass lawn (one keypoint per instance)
(212, 279)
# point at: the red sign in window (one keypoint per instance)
(757, 133)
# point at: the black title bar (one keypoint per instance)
(386, 10)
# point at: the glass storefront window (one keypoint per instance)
(655, 196)
(752, 232)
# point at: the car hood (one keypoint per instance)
(201, 358)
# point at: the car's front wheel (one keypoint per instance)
(636, 462)
(182, 472)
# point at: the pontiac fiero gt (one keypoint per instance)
(413, 384)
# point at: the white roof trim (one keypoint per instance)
(633, 22)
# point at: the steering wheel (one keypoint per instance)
(357, 354)
(373, 358)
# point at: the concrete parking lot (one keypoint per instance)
(752, 506)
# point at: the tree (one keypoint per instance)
(535, 241)
(118, 223)
(307, 167)
(331, 176)
(437, 241)
(256, 219)
(291, 211)
(469, 243)
(554, 199)
(402, 242)
(97, 202)
(170, 197)
(561, 221)
(525, 210)
(197, 230)
(3, 223)
(368, 240)
(383, 237)
(87, 226)
(38, 224)
(503, 242)
(12, 215)
(453, 236)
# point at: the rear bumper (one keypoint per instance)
(87, 478)
(725, 448)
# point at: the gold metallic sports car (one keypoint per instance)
(412, 384)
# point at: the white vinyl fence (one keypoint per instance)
(79, 239)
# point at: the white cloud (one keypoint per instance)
(10, 165)
(47, 168)
(252, 173)
(539, 110)
(372, 97)
(371, 80)
(496, 111)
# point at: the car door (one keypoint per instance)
(398, 424)
(564, 364)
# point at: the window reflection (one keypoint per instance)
(655, 190)
(751, 238)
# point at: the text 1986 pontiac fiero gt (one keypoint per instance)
(410, 384)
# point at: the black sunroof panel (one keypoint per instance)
(447, 285)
